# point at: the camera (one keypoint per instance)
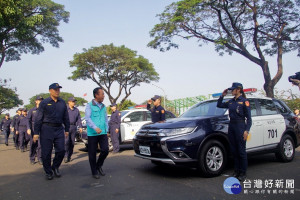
(297, 77)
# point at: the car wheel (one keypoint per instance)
(212, 158)
(110, 146)
(286, 151)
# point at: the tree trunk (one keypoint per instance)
(268, 85)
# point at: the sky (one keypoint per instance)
(188, 71)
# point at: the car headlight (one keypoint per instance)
(176, 131)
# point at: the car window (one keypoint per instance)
(149, 118)
(280, 107)
(267, 107)
(123, 113)
(208, 108)
(253, 107)
(136, 116)
(169, 115)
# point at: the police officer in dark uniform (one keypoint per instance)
(239, 126)
(52, 114)
(23, 130)
(35, 147)
(114, 127)
(157, 112)
(5, 127)
(75, 120)
(14, 122)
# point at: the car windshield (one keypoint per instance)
(208, 108)
(123, 113)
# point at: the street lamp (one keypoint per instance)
(164, 94)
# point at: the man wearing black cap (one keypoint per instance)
(157, 112)
(35, 147)
(23, 130)
(75, 120)
(114, 127)
(14, 122)
(51, 115)
(5, 126)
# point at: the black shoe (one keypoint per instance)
(96, 176)
(236, 174)
(242, 177)
(6, 144)
(49, 176)
(56, 172)
(32, 162)
(101, 172)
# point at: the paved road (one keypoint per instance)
(128, 177)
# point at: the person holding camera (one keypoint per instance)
(239, 126)
(295, 79)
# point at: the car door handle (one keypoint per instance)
(257, 124)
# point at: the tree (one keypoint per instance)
(26, 24)
(64, 95)
(8, 97)
(108, 65)
(292, 100)
(252, 28)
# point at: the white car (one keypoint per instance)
(131, 121)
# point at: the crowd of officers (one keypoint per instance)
(22, 127)
(52, 123)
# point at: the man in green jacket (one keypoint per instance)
(97, 128)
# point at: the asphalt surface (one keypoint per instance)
(128, 177)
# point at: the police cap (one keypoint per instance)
(155, 97)
(112, 105)
(235, 85)
(39, 98)
(54, 86)
(72, 99)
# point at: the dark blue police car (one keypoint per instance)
(198, 138)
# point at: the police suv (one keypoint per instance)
(131, 121)
(198, 138)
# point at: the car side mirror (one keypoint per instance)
(127, 119)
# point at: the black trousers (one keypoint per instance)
(52, 136)
(70, 142)
(93, 142)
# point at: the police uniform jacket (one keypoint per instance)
(239, 110)
(157, 113)
(22, 124)
(5, 123)
(115, 119)
(74, 117)
(51, 112)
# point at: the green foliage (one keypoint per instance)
(26, 24)
(108, 65)
(8, 97)
(293, 104)
(64, 95)
(252, 29)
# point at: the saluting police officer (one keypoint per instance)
(23, 130)
(5, 126)
(157, 111)
(114, 127)
(239, 126)
(14, 123)
(51, 115)
(35, 147)
(75, 120)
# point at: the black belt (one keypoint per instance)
(52, 124)
(22, 126)
(73, 124)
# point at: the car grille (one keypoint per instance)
(149, 139)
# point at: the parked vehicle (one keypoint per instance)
(198, 138)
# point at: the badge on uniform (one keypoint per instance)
(240, 102)
(157, 111)
(49, 104)
(162, 111)
(247, 103)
